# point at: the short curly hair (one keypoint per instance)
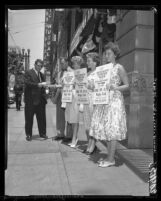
(40, 61)
(114, 47)
(95, 57)
(77, 59)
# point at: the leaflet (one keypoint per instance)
(81, 85)
(101, 94)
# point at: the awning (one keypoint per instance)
(77, 37)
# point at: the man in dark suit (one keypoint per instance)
(35, 100)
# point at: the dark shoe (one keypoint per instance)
(28, 138)
(44, 136)
(85, 151)
(58, 138)
(67, 139)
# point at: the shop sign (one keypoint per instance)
(48, 35)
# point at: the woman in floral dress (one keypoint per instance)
(109, 121)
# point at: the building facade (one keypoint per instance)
(77, 31)
(135, 36)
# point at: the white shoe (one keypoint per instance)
(74, 145)
(106, 164)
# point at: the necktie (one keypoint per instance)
(39, 76)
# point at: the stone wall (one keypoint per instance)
(135, 36)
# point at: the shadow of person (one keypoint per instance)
(38, 138)
(118, 161)
(98, 156)
(82, 145)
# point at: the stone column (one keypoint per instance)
(135, 36)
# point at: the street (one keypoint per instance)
(47, 167)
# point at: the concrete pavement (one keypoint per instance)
(47, 167)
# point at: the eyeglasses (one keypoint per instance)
(39, 65)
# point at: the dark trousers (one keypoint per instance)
(69, 130)
(18, 100)
(40, 112)
(60, 118)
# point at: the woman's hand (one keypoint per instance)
(90, 85)
(111, 87)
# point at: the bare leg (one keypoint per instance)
(75, 132)
(111, 150)
(89, 140)
(92, 144)
(87, 134)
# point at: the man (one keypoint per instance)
(60, 111)
(35, 100)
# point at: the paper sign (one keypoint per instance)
(101, 94)
(102, 72)
(81, 88)
(67, 93)
(82, 93)
(81, 75)
(68, 77)
(68, 80)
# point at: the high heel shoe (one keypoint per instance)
(74, 145)
(92, 152)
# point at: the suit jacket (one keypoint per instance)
(32, 93)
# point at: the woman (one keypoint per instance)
(72, 109)
(92, 62)
(109, 121)
(60, 111)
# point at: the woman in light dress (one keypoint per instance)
(92, 62)
(109, 121)
(72, 109)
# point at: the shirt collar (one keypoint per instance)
(35, 71)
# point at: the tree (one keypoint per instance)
(15, 61)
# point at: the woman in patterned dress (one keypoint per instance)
(72, 109)
(92, 62)
(109, 121)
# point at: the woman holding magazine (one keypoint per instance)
(109, 120)
(72, 109)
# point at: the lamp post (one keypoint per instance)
(28, 56)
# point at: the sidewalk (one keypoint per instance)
(46, 167)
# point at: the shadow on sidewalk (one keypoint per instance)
(38, 138)
(97, 156)
(81, 145)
